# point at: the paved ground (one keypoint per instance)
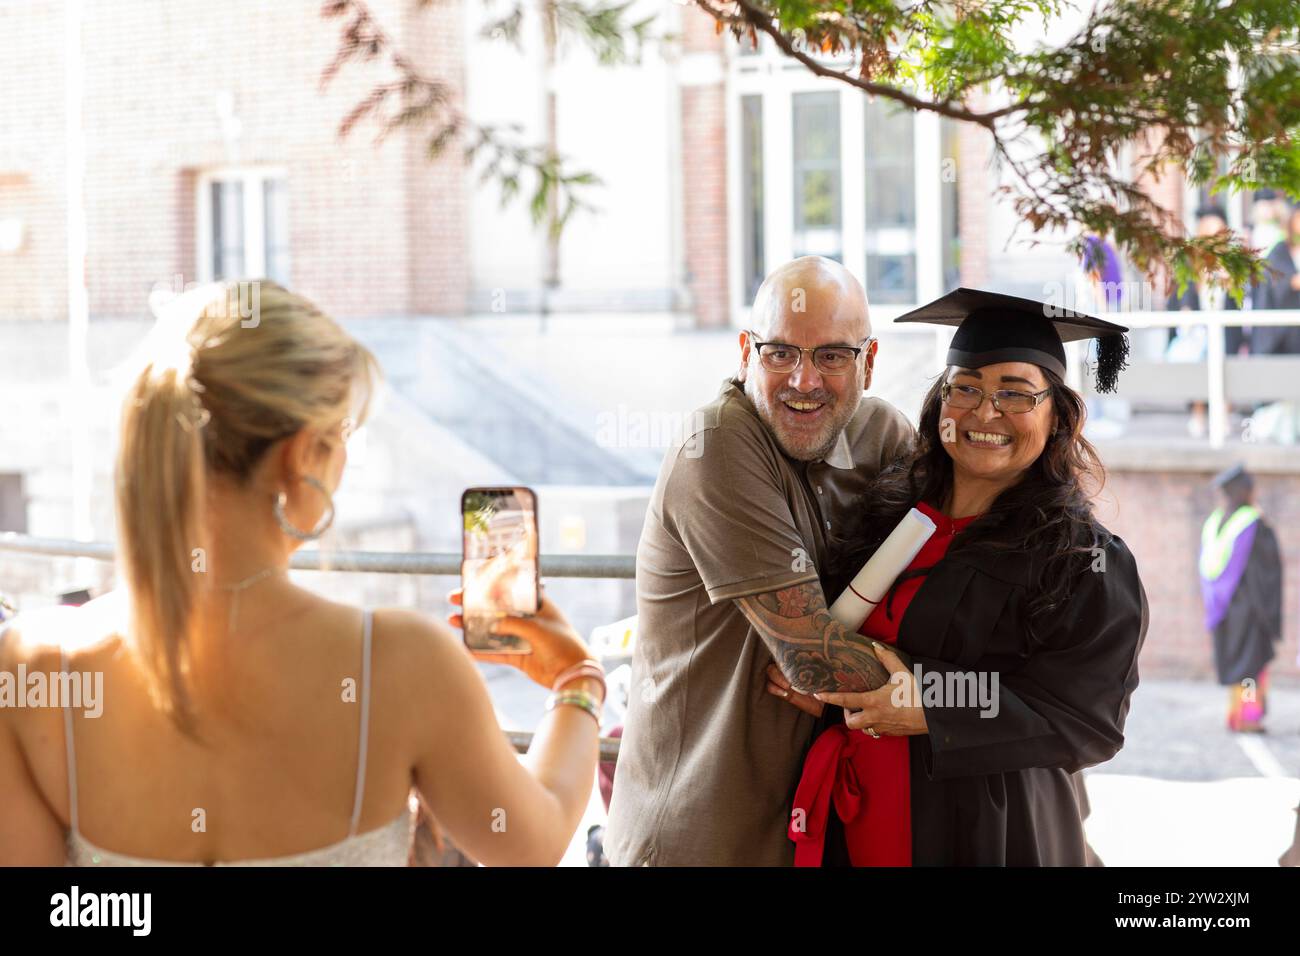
(1185, 792)
(1176, 732)
(1182, 792)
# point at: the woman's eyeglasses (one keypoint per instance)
(782, 359)
(1004, 400)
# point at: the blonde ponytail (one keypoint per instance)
(223, 379)
(161, 487)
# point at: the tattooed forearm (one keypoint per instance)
(815, 652)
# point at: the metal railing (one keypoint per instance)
(371, 562)
(1216, 357)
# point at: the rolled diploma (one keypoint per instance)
(891, 559)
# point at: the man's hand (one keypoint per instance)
(779, 686)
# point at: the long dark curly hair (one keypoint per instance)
(1047, 513)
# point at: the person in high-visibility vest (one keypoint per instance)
(1241, 584)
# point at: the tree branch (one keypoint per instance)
(761, 21)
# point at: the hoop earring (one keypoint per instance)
(322, 525)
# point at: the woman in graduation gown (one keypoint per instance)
(1022, 615)
(1241, 584)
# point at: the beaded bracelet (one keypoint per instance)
(587, 668)
(576, 698)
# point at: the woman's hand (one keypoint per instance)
(555, 645)
(779, 686)
(893, 710)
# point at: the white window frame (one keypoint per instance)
(777, 79)
(252, 178)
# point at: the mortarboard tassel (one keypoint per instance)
(1112, 358)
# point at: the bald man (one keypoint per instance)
(727, 581)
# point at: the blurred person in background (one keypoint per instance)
(1282, 291)
(1268, 214)
(251, 720)
(1101, 264)
(1241, 585)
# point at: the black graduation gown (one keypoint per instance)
(1278, 339)
(1244, 639)
(1001, 790)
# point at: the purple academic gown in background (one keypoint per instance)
(1243, 605)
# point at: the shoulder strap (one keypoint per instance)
(359, 797)
(70, 747)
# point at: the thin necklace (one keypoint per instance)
(239, 586)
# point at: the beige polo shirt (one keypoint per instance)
(709, 761)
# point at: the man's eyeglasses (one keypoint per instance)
(1004, 400)
(782, 359)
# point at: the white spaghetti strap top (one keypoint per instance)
(387, 846)
(359, 793)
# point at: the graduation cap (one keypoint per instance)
(993, 327)
(1231, 475)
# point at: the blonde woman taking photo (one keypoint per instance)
(246, 719)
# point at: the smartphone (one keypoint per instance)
(498, 569)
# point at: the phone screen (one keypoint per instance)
(499, 564)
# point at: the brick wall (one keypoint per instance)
(698, 32)
(704, 201)
(373, 229)
(974, 193)
(704, 173)
(1166, 189)
(436, 192)
(31, 158)
(1159, 516)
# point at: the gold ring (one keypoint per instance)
(872, 731)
